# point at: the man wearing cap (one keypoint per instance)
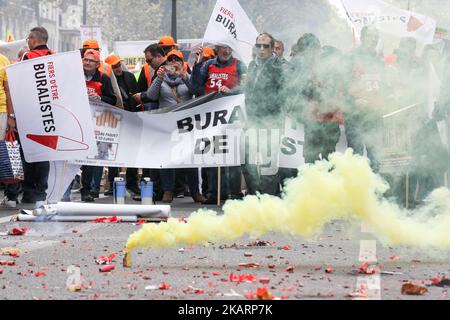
(104, 68)
(167, 43)
(99, 88)
(128, 87)
(222, 74)
(156, 59)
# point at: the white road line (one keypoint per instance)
(368, 286)
(368, 251)
(365, 228)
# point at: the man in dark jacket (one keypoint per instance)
(36, 174)
(264, 103)
(128, 87)
(99, 88)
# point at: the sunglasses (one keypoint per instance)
(174, 58)
(261, 46)
(90, 60)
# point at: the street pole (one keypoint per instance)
(174, 19)
(84, 12)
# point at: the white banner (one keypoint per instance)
(203, 135)
(11, 49)
(52, 108)
(390, 20)
(230, 25)
(207, 135)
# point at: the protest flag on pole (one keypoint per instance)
(229, 25)
(390, 20)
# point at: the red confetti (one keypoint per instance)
(107, 268)
(191, 289)
(242, 278)
(113, 219)
(286, 247)
(249, 265)
(140, 222)
(264, 294)
(264, 280)
(329, 270)
(394, 258)
(290, 269)
(164, 286)
(40, 274)
(216, 273)
(18, 231)
(7, 263)
(365, 268)
(105, 260)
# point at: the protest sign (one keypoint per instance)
(52, 108)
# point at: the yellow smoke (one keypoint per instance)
(344, 188)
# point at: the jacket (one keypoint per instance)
(170, 91)
(200, 74)
(263, 90)
(107, 92)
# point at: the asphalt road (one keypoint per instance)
(291, 268)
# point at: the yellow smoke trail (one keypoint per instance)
(344, 188)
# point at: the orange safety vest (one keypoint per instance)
(148, 74)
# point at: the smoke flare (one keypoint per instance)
(343, 188)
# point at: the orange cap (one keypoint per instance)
(166, 41)
(208, 53)
(93, 52)
(112, 60)
(177, 53)
(91, 44)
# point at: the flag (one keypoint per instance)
(390, 20)
(229, 25)
(52, 108)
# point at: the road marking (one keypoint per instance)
(368, 286)
(368, 251)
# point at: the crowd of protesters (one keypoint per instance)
(319, 86)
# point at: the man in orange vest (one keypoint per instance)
(147, 72)
(104, 68)
(35, 182)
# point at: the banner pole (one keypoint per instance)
(219, 184)
(407, 189)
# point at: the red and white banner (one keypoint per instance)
(52, 108)
(390, 20)
(229, 25)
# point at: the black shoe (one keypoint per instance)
(238, 196)
(87, 198)
(27, 201)
(108, 193)
(95, 195)
(210, 201)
